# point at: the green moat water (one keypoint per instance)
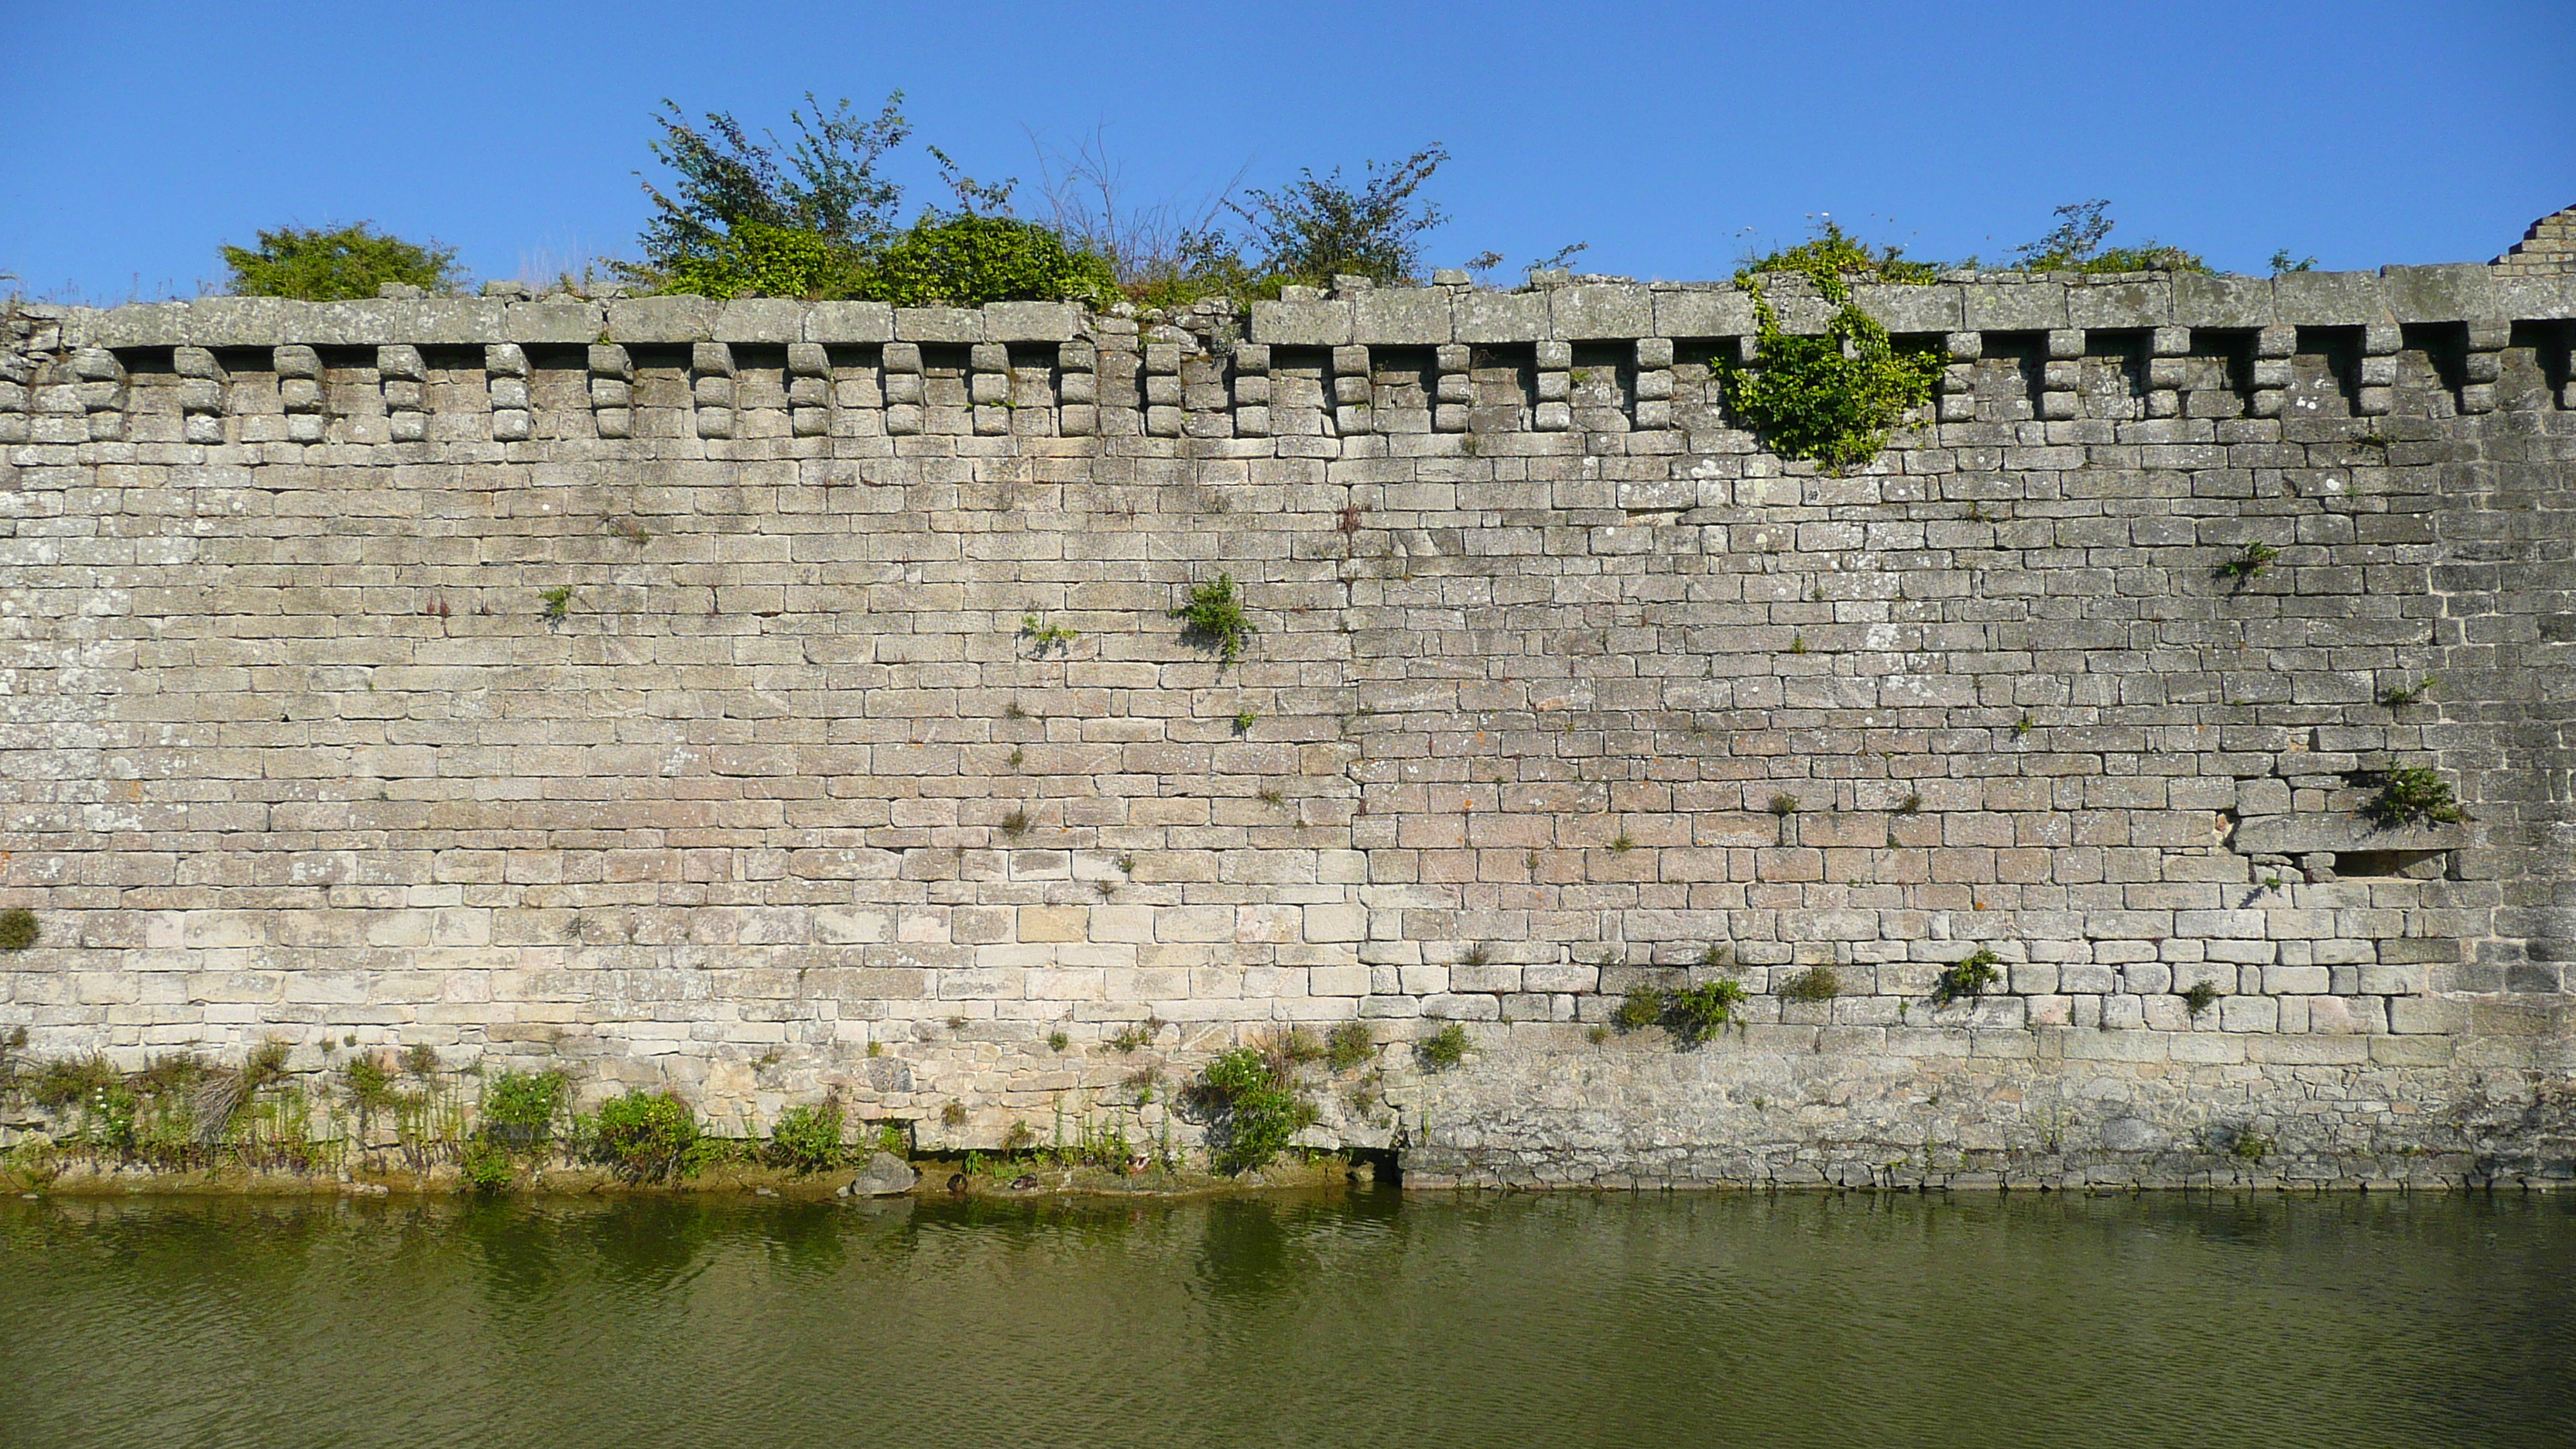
(1367, 1319)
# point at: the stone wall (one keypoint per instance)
(680, 692)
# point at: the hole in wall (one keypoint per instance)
(2387, 864)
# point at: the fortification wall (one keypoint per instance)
(1563, 686)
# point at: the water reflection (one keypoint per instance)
(1369, 1317)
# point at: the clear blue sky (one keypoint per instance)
(1664, 135)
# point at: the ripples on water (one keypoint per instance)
(1525, 1321)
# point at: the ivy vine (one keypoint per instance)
(1830, 397)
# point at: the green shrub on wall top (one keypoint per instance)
(968, 260)
(314, 265)
(758, 260)
(749, 217)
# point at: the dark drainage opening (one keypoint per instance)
(1379, 1165)
(2392, 864)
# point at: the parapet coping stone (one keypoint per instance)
(1584, 310)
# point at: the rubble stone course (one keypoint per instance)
(1562, 686)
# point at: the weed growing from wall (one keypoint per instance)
(806, 1138)
(1968, 977)
(1695, 1013)
(2413, 795)
(19, 929)
(1832, 397)
(1213, 616)
(1642, 1007)
(2249, 564)
(1254, 1109)
(369, 1087)
(520, 1108)
(1043, 636)
(1445, 1048)
(485, 1167)
(1350, 1046)
(1816, 983)
(2398, 696)
(644, 1136)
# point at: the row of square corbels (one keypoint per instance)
(2268, 379)
(1185, 391)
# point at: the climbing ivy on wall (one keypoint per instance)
(1829, 397)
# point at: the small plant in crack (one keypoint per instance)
(1444, 1048)
(1642, 1007)
(1912, 804)
(558, 603)
(1244, 719)
(1014, 711)
(631, 531)
(1018, 757)
(1816, 983)
(1349, 1046)
(1271, 795)
(1016, 824)
(1135, 1034)
(1968, 977)
(2398, 696)
(1784, 805)
(2023, 726)
(1478, 955)
(1043, 636)
(2201, 996)
(1622, 843)
(2249, 564)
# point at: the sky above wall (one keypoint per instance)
(1668, 137)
